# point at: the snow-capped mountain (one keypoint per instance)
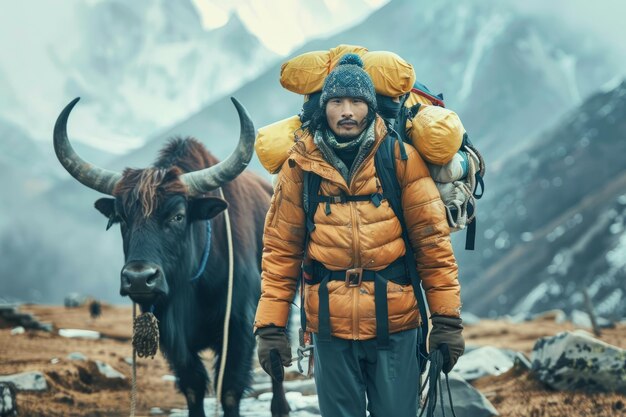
(139, 66)
(553, 222)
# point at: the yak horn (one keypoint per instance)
(208, 179)
(88, 174)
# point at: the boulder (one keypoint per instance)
(76, 356)
(79, 334)
(582, 319)
(556, 315)
(482, 361)
(73, 300)
(469, 318)
(468, 402)
(27, 381)
(17, 330)
(108, 371)
(8, 403)
(576, 360)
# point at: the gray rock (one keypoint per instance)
(108, 371)
(522, 362)
(169, 378)
(302, 386)
(482, 361)
(469, 318)
(73, 300)
(468, 402)
(557, 315)
(76, 356)
(79, 334)
(576, 360)
(520, 317)
(17, 330)
(156, 411)
(27, 381)
(582, 319)
(8, 402)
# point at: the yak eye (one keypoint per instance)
(177, 218)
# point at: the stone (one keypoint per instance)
(556, 315)
(468, 402)
(156, 411)
(8, 402)
(79, 334)
(73, 300)
(578, 361)
(108, 371)
(469, 318)
(582, 319)
(302, 386)
(169, 378)
(27, 381)
(76, 356)
(17, 330)
(522, 362)
(482, 361)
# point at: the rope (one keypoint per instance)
(133, 391)
(228, 308)
(433, 379)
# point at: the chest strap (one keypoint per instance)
(375, 198)
(395, 272)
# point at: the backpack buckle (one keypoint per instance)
(354, 277)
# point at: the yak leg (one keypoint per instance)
(238, 367)
(192, 382)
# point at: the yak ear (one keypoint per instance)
(106, 206)
(206, 208)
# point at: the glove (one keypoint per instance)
(274, 351)
(446, 335)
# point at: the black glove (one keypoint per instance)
(446, 335)
(274, 351)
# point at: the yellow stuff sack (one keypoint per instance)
(305, 74)
(274, 141)
(392, 76)
(436, 133)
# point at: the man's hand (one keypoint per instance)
(446, 335)
(274, 351)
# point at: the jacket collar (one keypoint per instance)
(307, 155)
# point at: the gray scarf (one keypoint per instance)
(327, 143)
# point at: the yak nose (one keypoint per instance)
(142, 280)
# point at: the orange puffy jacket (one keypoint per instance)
(356, 234)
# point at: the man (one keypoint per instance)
(355, 250)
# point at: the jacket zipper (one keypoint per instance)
(357, 263)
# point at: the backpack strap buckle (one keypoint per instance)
(354, 277)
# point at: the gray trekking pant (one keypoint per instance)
(348, 371)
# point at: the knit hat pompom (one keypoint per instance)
(351, 59)
(348, 79)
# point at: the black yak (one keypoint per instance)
(176, 254)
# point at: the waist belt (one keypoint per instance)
(396, 272)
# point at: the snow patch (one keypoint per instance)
(486, 37)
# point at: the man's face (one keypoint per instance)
(346, 116)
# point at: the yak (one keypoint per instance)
(176, 254)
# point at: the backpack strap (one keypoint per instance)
(310, 190)
(385, 162)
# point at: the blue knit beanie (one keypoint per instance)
(348, 79)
